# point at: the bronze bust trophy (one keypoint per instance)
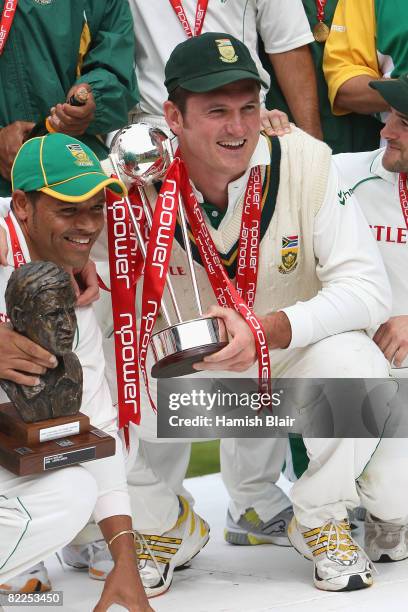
(42, 428)
(40, 302)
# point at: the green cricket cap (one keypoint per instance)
(394, 91)
(209, 61)
(62, 167)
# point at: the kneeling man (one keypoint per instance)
(57, 213)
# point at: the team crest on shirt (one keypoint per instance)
(81, 158)
(289, 254)
(226, 50)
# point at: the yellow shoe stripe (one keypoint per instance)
(252, 517)
(162, 539)
(157, 558)
(312, 532)
(321, 540)
(165, 549)
(192, 524)
(203, 528)
(184, 514)
(255, 541)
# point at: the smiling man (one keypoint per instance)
(56, 215)
(320, 282)
(379, 180)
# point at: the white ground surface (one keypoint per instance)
(224, 578)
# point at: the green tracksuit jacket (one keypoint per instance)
(54, 44)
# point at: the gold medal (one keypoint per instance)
(321, 31)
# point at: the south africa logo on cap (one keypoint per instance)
(82, 158)
(226, 50)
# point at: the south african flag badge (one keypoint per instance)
(289, 254)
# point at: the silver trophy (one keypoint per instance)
(140, 155)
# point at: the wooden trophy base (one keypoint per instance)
(33, 448)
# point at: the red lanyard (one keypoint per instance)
(125, 263)
(227, 295)
(201, 11)
(18, 257)
(9, 11)
(250, 237)
(403, 195)
(320, 6)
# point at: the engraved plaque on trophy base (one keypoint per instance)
(33, 448)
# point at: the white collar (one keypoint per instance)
(378, 169)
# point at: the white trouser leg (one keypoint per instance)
(250, 468)
(383, 485)
(40, 514)
(156, 469)
(328, 485)
(154, 481)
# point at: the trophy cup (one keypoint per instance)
(41, 428)
(140, 155)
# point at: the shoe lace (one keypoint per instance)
(148, 555)
(339, 543)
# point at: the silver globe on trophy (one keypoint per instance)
(141, 155)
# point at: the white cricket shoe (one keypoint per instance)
(339, 563)
(33, 580)
(385, 541)
(94, 557)
(250, 530)
(160, 555)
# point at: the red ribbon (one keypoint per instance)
(18, 257)
(250, 237)
(156, 268)
(125, 263)
(9, 11)
(224, 290)
(157, 262)
(320, 6)
(201, 11)
(403, 194)
(158, 257)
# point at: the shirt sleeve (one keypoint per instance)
(350, 49)
(282, 28)
(355, 290)
(108, 66)
(109, 473)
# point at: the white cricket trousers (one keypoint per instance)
(41, 514)
(337, 476)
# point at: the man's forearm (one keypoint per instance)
(297, 79)
(277, 329)
(356, 96)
